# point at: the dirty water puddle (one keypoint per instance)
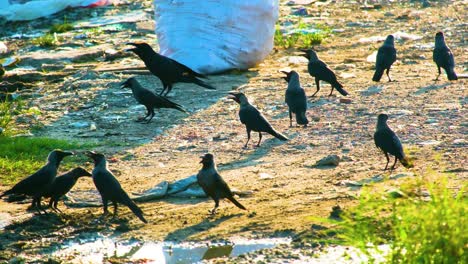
(96, 248)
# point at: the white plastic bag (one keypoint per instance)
(41, 8)
(212, 36)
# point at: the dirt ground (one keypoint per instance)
(288, 190)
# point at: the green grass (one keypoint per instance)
(418, 229)
(8, 109)
(48, 40)
(61, 28)
(302, 40)
(21, 156)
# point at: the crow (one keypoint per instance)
(149, 99)
(321, 71)
(63, 184)
(37, 184)
(253, 119)
(213, 184)
(110, 188)
(296, 99)
(443, 57)
(166, 69)
(386, 140)
(386, 56)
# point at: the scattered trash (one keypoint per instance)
(431, 142)
(130, 17)
(41, 8)
(372, 58)
(265, 176)
(10, 61)
(398, 36)
(3, 47)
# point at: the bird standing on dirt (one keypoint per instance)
(386, 140)
(110, 188)
(296, 99)
(38, 183)
(166, 69)
(386, 56)
(63, 184)
(443, 57)
(322, 72)
(253, 119)
(149, 99)
(213, 185)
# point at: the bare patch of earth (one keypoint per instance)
(288, 190)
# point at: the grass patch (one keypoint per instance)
(8, 109)
(417, 228)
(46, 41)
(61, 28)
(302, 36)
(21, 156)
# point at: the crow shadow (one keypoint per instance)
(205, 225)
(253, 158)
(431, 87)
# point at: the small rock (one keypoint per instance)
(79, 124)
(265, 176)
(3, 48)
(330, 160)
(92, 127)
(345, 100)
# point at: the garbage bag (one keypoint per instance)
(212, 36)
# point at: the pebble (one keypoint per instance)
(3, 48)
(330, 160)
(79, 124)
(345, 100)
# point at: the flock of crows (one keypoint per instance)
(44, 182)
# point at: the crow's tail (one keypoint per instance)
(451, 75)
(378, 74)
(234, 201)
(301, 118)
(203, 84)
(339, 87)
(136, 210)
(278, 135)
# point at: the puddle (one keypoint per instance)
(95, 250)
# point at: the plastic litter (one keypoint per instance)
(42, 8)
(216, 35)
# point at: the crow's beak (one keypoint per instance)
(202, 159)
(233, 97)
(67, 153)
(89, 154)
(124, 85)
(131, 44)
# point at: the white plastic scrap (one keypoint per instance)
(216, 35)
